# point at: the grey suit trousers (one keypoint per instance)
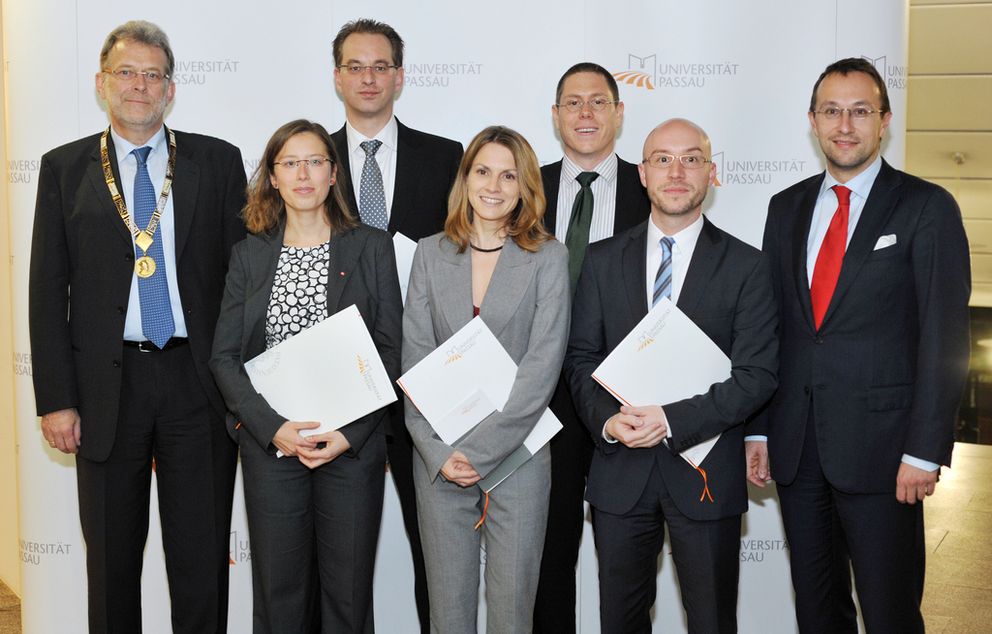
(514, 539)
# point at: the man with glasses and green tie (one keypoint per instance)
(872, 281)
(591, 195)
(132, 232)
(638, 484)
(400, 179)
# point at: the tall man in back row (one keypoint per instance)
(592, 194)
(872, 282)
(125, 287)
(400, 179)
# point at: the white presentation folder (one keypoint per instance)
(330, 373)
(465, 379)
(665, 358)
(404, 248)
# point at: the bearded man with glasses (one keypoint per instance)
(638, 481)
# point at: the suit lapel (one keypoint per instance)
(406, 182)
(186, 187)
(261, 276)
(798, 244)
(875, 214)
(705, 257)
(634, 273)
(340, 139)
(454, 285)
(551, 175)
(630, 204)
(345, 249)
(94, 173)
(511, 277)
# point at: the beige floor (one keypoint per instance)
(958, 598)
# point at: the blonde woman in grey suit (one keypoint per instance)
(493, 259)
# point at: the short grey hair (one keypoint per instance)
(142, 32)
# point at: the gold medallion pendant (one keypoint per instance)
(144, 267)
(144, 241)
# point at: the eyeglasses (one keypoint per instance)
(859, 114)
(574, 104)
(359, 69)
(688, 161)
(129, 75)
(314, 163)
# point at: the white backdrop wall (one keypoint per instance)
(741, 70)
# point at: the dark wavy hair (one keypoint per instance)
(265, 209)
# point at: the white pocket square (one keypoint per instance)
(885, 241)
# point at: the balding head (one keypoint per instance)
(681, 130)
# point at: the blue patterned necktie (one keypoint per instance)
(663, 279)
(153, 292)
(371, 195)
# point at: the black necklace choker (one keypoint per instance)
(481, 250)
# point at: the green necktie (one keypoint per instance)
(577, 238)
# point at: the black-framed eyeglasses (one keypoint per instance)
(859, 113)
(129, 75)
(574, 104)
(359, 69)
(312, 163)
(688, 161)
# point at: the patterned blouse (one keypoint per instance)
(299, 292)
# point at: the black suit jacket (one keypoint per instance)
(426, 166)
(632, 204)
(728, 294)
(362, 271)
(885, 373)
(82, 262)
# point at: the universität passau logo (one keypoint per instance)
(894, 75)
(239, 549)
(647, 72)
(439, 74)
(198, 72)
(733, 169)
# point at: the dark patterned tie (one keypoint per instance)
(371, 195)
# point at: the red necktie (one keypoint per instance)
(830, 257)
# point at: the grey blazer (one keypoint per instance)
(362, 272)
(526, 306)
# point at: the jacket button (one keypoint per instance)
(120, 310)
(805, 389)
(818, 339)
(117, 363)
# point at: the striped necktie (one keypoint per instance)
(663, 278)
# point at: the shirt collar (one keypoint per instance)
(607, 169)
(860, 185)
(387, 135)
(685, 240)
(123, 147)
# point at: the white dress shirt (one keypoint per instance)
(385, 157)
(127, 167)
(604, 198)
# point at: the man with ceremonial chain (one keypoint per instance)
(133, 229)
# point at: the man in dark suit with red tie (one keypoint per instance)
(592, 194)
(872, 281)
(125, 288)
(400, 179)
